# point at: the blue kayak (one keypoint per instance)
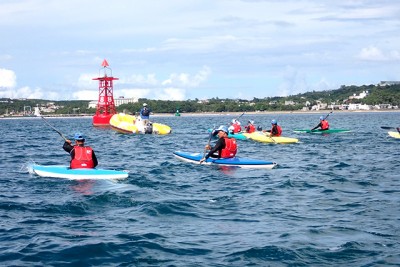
(60, 171)
(235, 162)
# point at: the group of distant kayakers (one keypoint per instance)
(276, 130)
(226, 147)
(236, 128)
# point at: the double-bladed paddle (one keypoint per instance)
(240, 116)
(328, 115)
(391, 128)
(209, 141)
(51, 126)
(270, 137)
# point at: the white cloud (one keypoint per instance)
(86, 80)
(394, 54)
(294, 82)
(86, 95)
(8, 88)
(25, 92)
(185, 80)
(323, 85)
(129, 93)
(171, 94)
(149, 79)
(371, 53)
(8, 79)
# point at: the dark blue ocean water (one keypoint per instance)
(333, 200)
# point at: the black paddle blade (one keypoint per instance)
(387, 127)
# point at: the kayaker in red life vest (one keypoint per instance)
(323, 124)
(224, 148)
(81, 156)
(250, 128)
(276, 130)
(235, 126)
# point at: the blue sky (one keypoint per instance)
(187, 49)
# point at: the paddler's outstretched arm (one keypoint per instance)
(319, 125)
(218, 146)
(67, 146)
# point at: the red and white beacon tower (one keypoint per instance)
(105, 105)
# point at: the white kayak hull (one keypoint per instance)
(61, 171)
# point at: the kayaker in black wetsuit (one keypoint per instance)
(224, 148)
(323, 124)
(81, 156)
(276, 130)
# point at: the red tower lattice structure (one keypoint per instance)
(105, 104)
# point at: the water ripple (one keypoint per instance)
(332, 200)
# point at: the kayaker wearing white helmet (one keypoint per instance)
(224, 148)
(235, 126)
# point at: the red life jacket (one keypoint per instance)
(251, 128)
(237, 128)
(278, 129)
(324, 125)
(82, 158)
(230, 148)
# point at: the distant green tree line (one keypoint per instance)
(377, 95)
(17, 106)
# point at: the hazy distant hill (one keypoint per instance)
(376, 95)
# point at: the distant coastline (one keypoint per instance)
(201, 114)
(275, 112)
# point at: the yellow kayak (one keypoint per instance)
(264, 138)
(125, 123)
(394, 134)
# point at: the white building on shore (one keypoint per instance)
(117, 101)
(360, 96)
